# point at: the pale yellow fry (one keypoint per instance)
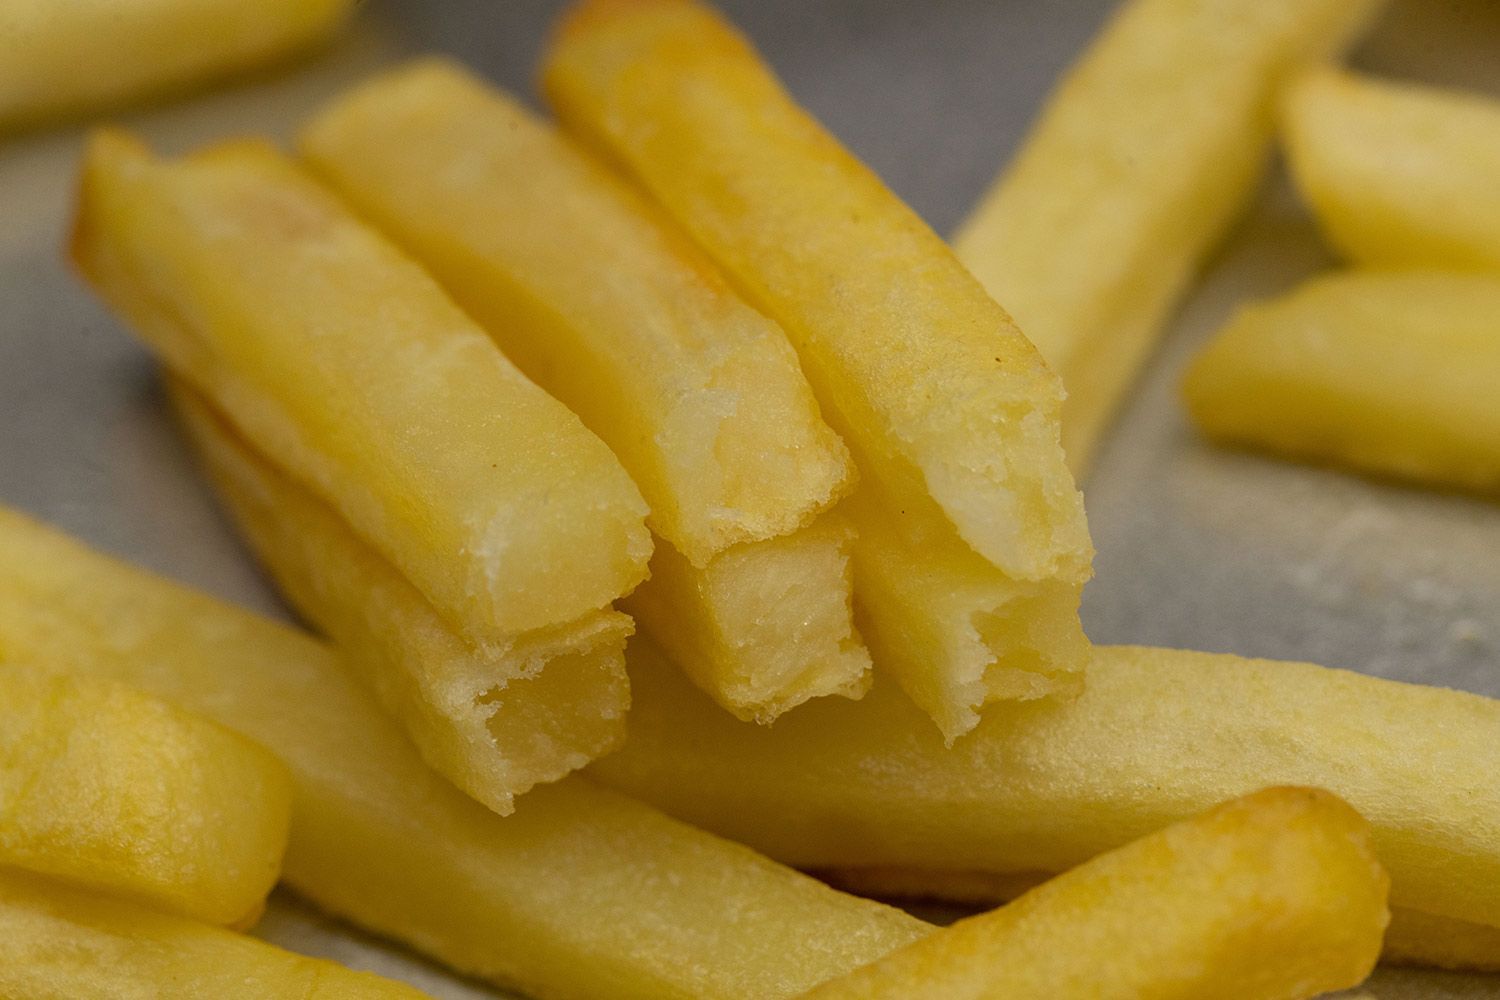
(1275, 896)
(108, 788)
(1397, 174)
(1142, 158)
(57, 943)
(1157, 735)
(331, 350)
(495, 720)
(595, 296)
(1416, 938)
(581, 894)
(61, 57)
(950, 412)
(1387, 372)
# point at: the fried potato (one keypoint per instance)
(1397, 174)
(108, 788)
(1387, 372)
(1416, 938)
(338, 355)
(1156, 736)
(496, 721)
(1147, 151)
(582, 893)
(587, 288)
(58, 943)
(948, 409)
(65, 58)
(1275, 896)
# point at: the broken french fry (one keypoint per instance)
(107, 788)
(1398, 175)
(1143, 157)
(495, 721)
(948, 409)
(581, 893)
(1392, 373)
(595, 297)
(65, 58)
(57, 942)
(1157, 735)
(1274, 896)
(326, 348)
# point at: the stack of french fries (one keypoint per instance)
(592, 449)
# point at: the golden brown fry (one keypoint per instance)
(1144, 156)
(1275, 896)
(108, 788)
(950, 412)
(582, 893)
(599, 300)
(61, 58)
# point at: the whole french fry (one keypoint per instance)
(1397, 174)
(337, 354)
(107, 788)
(57, 943)
(497, 721)
(1156, 736)
(1142, 158)
(595, 297)
(65, 58)
(581, 893)
(1387, 372)
(948, 409)
(1274, 896)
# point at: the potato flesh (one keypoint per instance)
(1387, 372)
(495, 721)
(1143, 157)
(105, 787)
(331, 350)
(1397, 175)
(949, 411)
(1157, 735)
(64, 58)
(59, 943)
(604, 305)
(582, 893)
(1275, 896)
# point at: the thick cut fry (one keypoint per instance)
(621, 318)
(338, 355)
(58, 943)
(1142, 158)
(582, 893)
(950, 412)
(108, 788)
(1157, 735)
(1397, 175)
(1388, 372)
(1275, 896)
(63, 58)
(495, 721)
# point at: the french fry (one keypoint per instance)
(65, 58)
(1422, 939)
(618, 316)
(1397, 174)
(1156, 736)
(110, 789)
(329, 350)
(482, 727)
(1387, 372)
(1275, 896)
(1143, 157)
(948, 409)
(58, 943)
(581, 893)
(338, 355)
